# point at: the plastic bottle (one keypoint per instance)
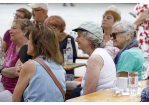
(69, 52)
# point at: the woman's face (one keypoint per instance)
(83, 43)
(30, 50)
(19, 15)
(107, 21)
(120, 40)
(16, 33)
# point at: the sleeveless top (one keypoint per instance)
(41, 86)
(107, 73)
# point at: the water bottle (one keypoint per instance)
(1, 51)
(69, 52)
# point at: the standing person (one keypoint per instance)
(100, 73)
(21, 13)
(111, 15)
(58, 24)
(130, 58)
(142, 19)
(35, 84)
(39, 11)
(19, 36)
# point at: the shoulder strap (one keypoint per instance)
(52, 75)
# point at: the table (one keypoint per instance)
(82, 57)
(104, 96)
(74, 65)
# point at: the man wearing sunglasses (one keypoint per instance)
(39, 11)
(130, 58)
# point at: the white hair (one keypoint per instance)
(127, 26)
(96, 42)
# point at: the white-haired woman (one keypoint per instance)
(130, 58)
(100, 71)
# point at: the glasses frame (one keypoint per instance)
(114, 34)
(18, 16)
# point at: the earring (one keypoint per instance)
(24, 34)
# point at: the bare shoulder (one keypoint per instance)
(29, 66)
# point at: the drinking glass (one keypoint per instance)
(133, 84)
(65, 56)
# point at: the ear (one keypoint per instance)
(128, 36)
(89, 42)
(25, 31)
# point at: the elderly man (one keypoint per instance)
(39, 11)
(130, 58)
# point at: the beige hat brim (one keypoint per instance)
(32, 5)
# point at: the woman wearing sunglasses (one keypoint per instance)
(111, 15)
(130, 58)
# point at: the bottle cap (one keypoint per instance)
(69, 39)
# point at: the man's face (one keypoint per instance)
(37, 13)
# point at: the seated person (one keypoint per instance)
(58, 24)
(101, 72)
(21, 13)
(35, 84)
(130, 58)
(19, 37)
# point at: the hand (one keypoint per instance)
(79, 85)
(18, 69)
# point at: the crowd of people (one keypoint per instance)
(115, 48)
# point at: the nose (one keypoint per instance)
(76, 39)
(10, 31)
(27, 43)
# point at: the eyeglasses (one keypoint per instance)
(37, 10)
(114, 34)
(18, 16)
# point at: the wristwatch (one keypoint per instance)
(145, 77)
(1, 69)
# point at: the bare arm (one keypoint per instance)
(141, 18)
(92, 74)
(26, 73)
(122, 74)
(10, 72)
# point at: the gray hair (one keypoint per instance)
(96, 42)
(127, 26)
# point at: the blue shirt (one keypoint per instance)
(41, 86)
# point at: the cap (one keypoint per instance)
(91, 27)
(114, 9)
(37, 5)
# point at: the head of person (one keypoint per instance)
(39, 11)
(57, 23)
(44, 42)
(22, 13)
(111, 15)
(123, 32)
(90, 35)
(18, 31)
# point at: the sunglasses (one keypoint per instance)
(114, 34)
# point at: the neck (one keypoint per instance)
(107, 31)
(88, 51)
(62, 37)
(42, 20)
(20, 43)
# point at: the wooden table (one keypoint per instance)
(74, 65)
(104, 96)
(82, 57)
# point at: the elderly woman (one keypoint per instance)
(130, 58)
(21, 13)
(35, 84)
(58, 24)
(19, 37)
(111, 15)
(101, 71)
